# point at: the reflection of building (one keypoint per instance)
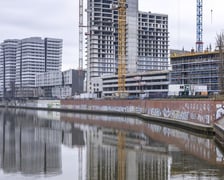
(75, 137)
(27, 148)
(102, 157)
(32, 145)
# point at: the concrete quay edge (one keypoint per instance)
(190, 126)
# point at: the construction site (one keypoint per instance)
(130, 129)
(123, 41)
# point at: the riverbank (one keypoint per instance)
(118, 107)
(201, 116)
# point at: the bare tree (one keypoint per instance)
(220, 46)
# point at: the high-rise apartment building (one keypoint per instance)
(152, 42)
(30, 60)
(21, 60)
(146, 39)
(53, 54)
(7, 67)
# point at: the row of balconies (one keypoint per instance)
(145, 53)
(137, 84)
(152, 31)
(110, 91)
(152, 34)
(153, 48)
(151, 16)
(137, 79)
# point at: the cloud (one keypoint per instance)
(182, 20)
(59, 19)
(51, 18)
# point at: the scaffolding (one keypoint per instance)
(197, 68)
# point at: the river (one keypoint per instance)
(53, 145)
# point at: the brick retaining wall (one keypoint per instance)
(193, 110)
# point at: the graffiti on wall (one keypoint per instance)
(197, 107)
(219, 111)
(200, 112)
(168, 113)
(189, 112)
(130, 109)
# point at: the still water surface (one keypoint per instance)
(52, 145)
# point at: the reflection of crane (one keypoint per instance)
(121, 156)
(199, 41)
(121, 46)
(80, 162)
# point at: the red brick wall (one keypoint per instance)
(199, 111)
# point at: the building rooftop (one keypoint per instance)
(192, 54)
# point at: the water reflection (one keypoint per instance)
(108, 148)
(27, 148)
(152, 151)
(32, 146)
(117, 155)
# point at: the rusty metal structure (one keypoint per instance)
(121, 156)
(121, 46)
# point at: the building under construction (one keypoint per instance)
(146, 39)
(197, 68)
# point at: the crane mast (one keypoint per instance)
(80, 73)
(199, 31)
(80, 34)
(121, 46)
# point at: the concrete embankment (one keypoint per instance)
(199, 115)
(219, 131)
(191, 126)
(188, 114)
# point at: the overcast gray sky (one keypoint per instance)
(59, 19)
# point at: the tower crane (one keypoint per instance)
(199, 29)
(121, 6)
(121, 47)
(80, 72)
(80, 34)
